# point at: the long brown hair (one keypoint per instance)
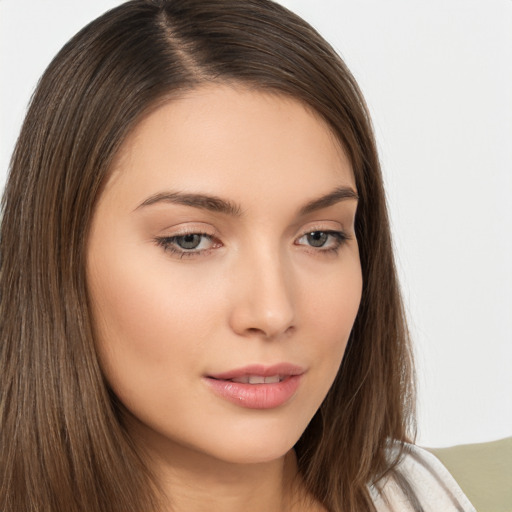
(63, 446)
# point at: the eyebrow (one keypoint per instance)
(219, 205)
(334, 197)
(202, 201)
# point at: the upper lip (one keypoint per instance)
(282, 369)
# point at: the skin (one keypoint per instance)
(255, 290)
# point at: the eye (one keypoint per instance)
(188, 244)
(317, 238)
(323, 240)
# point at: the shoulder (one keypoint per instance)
(419, 482)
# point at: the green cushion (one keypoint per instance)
(483, 471)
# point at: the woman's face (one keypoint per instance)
(224, 273)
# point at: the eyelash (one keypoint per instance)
(168, 243)
(340, 238)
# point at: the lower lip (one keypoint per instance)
(256, 396)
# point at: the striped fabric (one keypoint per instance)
(421, 484)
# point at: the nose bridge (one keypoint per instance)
(265, 298)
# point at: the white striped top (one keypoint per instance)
(431, 483)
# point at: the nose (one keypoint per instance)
(263, 298)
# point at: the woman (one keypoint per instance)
(200, 309)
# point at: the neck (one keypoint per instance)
(191, 481)
(194, 481)
(198, 483)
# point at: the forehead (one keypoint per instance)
(232, 140)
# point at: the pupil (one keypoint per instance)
(317, 238)
(189, 241)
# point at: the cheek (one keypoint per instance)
(331, 304)
(146, 322)
(332, 300)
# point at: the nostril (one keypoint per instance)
(270, 334)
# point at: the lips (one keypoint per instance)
(258, 379)
(257, 386)
(282, 369)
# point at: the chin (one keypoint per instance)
(259, 437)
(246, 443)
(260, 452)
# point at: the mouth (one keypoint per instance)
(260, 374)
(257, 379)
(257, 386)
